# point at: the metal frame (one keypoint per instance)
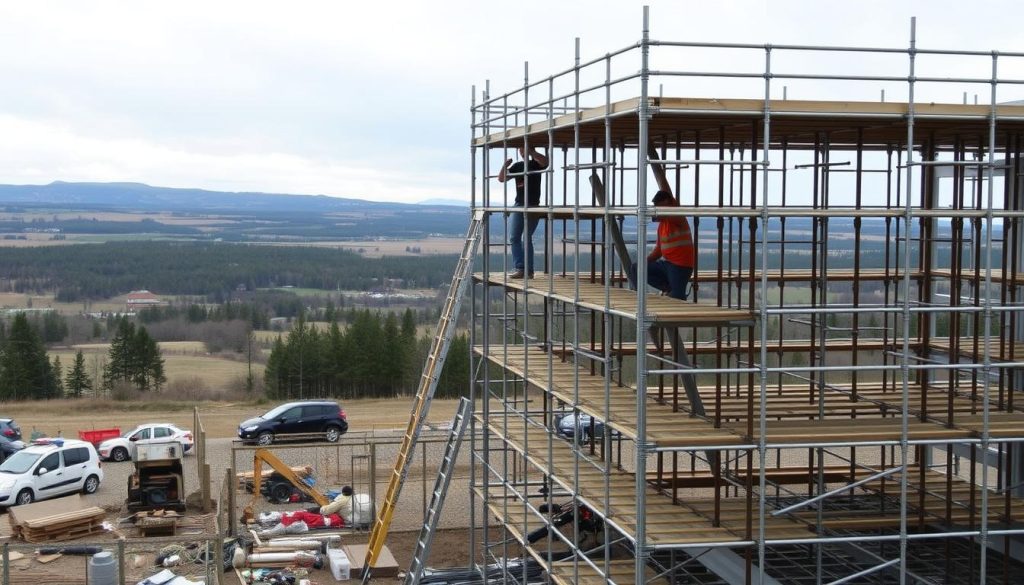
(757, 246)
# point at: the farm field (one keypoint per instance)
(379, 248)
(12, 300)
(183, 361)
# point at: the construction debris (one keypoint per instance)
(167, 577)
(157, 522)
(386, 565)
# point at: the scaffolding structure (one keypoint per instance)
(836, 401)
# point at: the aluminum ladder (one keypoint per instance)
(425, 392)
(444, 476)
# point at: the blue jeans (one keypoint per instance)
(515, 239)
(666, 277)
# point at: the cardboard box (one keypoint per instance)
(387, 566)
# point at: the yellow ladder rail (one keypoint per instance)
(424, 393)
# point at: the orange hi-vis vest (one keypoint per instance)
(676, 242)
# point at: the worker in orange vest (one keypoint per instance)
(671, 263)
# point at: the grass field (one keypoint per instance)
(183, 360)
(378, 248)
(10, 300)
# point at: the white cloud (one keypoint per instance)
(73, 157)
(367, 99)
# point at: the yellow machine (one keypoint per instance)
(263, 455)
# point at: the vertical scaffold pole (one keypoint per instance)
(987, 359)
(641, 310)
(762, 439)
(905, 358)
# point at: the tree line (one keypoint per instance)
(216, 270)
(27, 373)
(376, 356)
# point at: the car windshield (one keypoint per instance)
(20, 462)
(276, 412)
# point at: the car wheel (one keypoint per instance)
(583, 436)
(333, 434)
(24, 497)
(92, 483)
(265, 438)
(119, 454)
(281, 493)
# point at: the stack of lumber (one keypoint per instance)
(60, 519)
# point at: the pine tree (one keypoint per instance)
(119, 362)
(58, 377)
(274, 374)
(413, 366)
(78, 380)
(134, 357)
(147, 366)
(392, 376)
(25, 369)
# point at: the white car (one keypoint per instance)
(54, 468)
(120, 449)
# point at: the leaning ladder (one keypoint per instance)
(425, 392)
(444, 476)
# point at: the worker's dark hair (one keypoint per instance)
(346, 491)
(661, 196)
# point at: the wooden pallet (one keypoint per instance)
(63, 526)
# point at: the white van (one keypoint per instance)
(42, 471)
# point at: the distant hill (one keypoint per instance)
(450, 202)
(254, 216)
(142, 197)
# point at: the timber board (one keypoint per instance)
(594, 212)
(874, 125)
(592, 490)
(999, 351)
(621, 301)
(668, 428)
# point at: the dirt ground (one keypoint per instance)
(450, 547)
(220, 419)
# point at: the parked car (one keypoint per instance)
(10, 429)
(53, 468)
(310, 417)
(120, 448)
(579, 425)
(9, 447)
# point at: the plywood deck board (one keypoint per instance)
(621, 301)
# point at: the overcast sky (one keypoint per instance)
(350, 98)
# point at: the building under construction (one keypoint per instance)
(835, 400)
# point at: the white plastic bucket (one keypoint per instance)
(340, 567)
